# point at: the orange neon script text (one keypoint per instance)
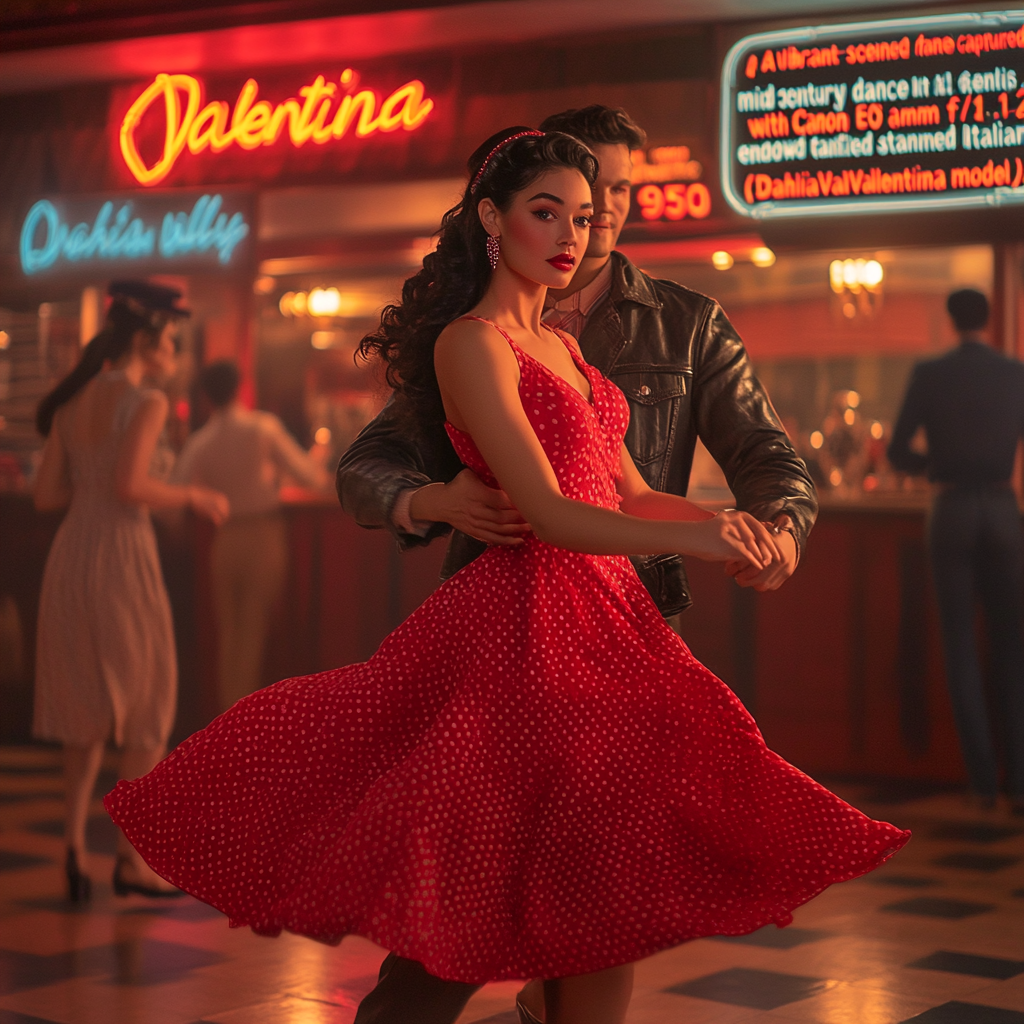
(254, 123)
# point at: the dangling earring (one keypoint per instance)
(493, 250)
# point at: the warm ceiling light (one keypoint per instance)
(322, 339)
(817, 439)
(852, 399)
(762, 256)
(855, 274)
(849, 417)
(873, 274)
(323, 435)
(324, 302)
(835, 478)
(5, 340)
(285, 304)
(721, 260)
(877, 430)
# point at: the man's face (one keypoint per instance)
(611, 198)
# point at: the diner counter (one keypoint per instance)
(842, 666)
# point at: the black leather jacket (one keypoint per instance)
(685, 373)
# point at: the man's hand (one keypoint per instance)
(773, 576)
(469, 505)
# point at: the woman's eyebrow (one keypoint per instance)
(547, 195)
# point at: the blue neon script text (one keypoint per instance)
(45, 238)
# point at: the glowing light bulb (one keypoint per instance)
(5, 341)
(286, 304)
(852, 399)
(835, 478)
(849, 417)
(299, 304)
(323, 436)
(835, 276)
(323, 302)
(877, 430)
(817, 439)
(873, 274)
(762, 256)
(721, 260)
(322, 339)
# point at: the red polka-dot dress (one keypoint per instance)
(532, 777)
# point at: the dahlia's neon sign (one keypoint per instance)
(326, 111)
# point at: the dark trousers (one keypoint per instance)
(977, 550)
(407, 994)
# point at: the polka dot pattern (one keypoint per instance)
(532, 777)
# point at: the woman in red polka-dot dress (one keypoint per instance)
(532, 777)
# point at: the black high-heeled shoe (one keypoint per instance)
(525, 1016)
(124, 887)
(79, 884)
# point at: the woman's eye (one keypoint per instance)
(583, 222)
(543, 214)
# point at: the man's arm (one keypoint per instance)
(911, 417)
(735, 420)
(388, 457)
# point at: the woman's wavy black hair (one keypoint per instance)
(123, 320)
(455, 276)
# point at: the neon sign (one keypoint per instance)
(911, 114)
(666, 186)
(253, 123)
(118, 232)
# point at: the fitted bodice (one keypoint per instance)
(93, 464)
(582, 440)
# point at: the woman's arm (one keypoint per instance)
(52, 488)
(478, 375)
(640, 499)
(132, 481)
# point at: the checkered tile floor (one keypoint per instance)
(936, 937)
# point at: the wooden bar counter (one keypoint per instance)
(842, 666)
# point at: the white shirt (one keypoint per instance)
(244, 454)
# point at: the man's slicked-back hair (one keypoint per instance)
(968, 309)
(598, 125)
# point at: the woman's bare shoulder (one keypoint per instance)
(475, 340)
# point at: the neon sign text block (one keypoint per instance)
(158, 230)
(323, 111)
(903, 115)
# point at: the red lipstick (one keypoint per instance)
(564, 261)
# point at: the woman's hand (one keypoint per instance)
(731, 536)
(209, 503)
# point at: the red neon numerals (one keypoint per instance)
(673, 202)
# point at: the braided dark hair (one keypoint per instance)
(455, 276)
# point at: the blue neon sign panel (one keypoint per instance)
(908, 114)
(162, 230)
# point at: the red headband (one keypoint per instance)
(500, 145)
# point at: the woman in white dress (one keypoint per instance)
(105, 663)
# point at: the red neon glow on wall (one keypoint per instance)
(254, 123)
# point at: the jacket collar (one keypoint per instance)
(630, 284)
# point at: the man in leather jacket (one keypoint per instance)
(685, 373)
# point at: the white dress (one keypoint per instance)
(105, 659)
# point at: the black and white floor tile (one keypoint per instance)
(935, 937)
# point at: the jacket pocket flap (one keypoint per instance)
(650, 388)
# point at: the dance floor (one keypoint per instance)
(936, 937)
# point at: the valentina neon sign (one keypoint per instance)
(326, 111)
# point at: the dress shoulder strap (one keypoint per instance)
(500, 330)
